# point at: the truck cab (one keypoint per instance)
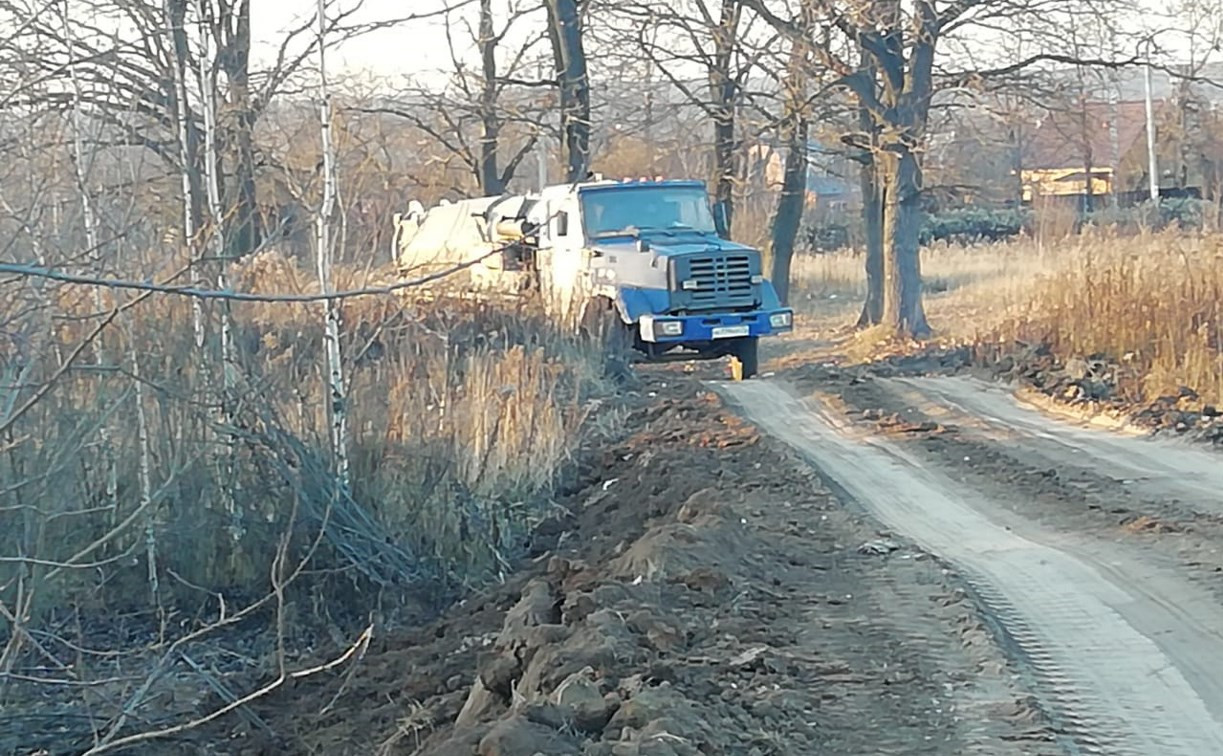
(652, 257)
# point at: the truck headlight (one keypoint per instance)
(780, 320)
(757, 278)
(689, 285)
(669, 327)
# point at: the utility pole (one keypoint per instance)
(1152, 163)
(1114, 145)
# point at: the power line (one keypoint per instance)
(34, 271)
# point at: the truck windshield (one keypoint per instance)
(629, 209)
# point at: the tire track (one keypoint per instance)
(1154, 469)
(1085, 632)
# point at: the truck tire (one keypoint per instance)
(747, 352)
(602, 327)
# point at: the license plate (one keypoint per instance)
(729, 332)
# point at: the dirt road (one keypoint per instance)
(1122, 636)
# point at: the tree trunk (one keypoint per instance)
(243, 231)
(794, 179)
(907, 94)
(901, 249)
(225, 462)
(872, 203)
(337, 394)
(565, 31)
(789, 207)
(188, 132)
(872, 226)
(490, 125)
(724, 163)
(724, 93)
(188, 154)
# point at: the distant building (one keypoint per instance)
(1105, 139)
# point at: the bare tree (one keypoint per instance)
(706, 38)
(901, 42)
(573, 81)
(485, 117)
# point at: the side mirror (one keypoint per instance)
(721, 219)
(562, 224)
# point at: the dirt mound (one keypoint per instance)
(1100, 385)
(567, 655)
(697, 592)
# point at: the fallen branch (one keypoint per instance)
(358, 646)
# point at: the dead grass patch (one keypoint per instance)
(1149, 301)
(462, 418)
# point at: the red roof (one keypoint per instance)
(1067, 138)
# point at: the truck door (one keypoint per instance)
(564, 260)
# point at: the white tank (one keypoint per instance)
(454, 233)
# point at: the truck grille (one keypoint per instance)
(715, 281)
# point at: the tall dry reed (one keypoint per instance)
(1150, 301)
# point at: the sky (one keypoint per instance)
(414, 49)
(406, 49)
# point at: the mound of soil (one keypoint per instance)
(700, 592)
(1100, 385)
(573, 654)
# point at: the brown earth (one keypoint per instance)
(1173, 513)
(1094, 552)
(701, 593)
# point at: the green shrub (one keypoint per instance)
(973, 224)
(1171, 212)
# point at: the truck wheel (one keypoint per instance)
(602, 327)
(746, 351)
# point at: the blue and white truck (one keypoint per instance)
(648, 261)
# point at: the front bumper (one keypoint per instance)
(712, 327)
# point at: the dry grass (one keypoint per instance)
(1154, 303)
(461, 417)
(1150, 300)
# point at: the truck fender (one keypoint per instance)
(633, 302)
(768, 296)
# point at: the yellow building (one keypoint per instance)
(1104, 138)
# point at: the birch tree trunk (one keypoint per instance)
(111, 485)
(220, 252)
(331, 326)
(145, 477)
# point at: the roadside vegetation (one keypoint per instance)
(463, 417)
(1146, 302)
